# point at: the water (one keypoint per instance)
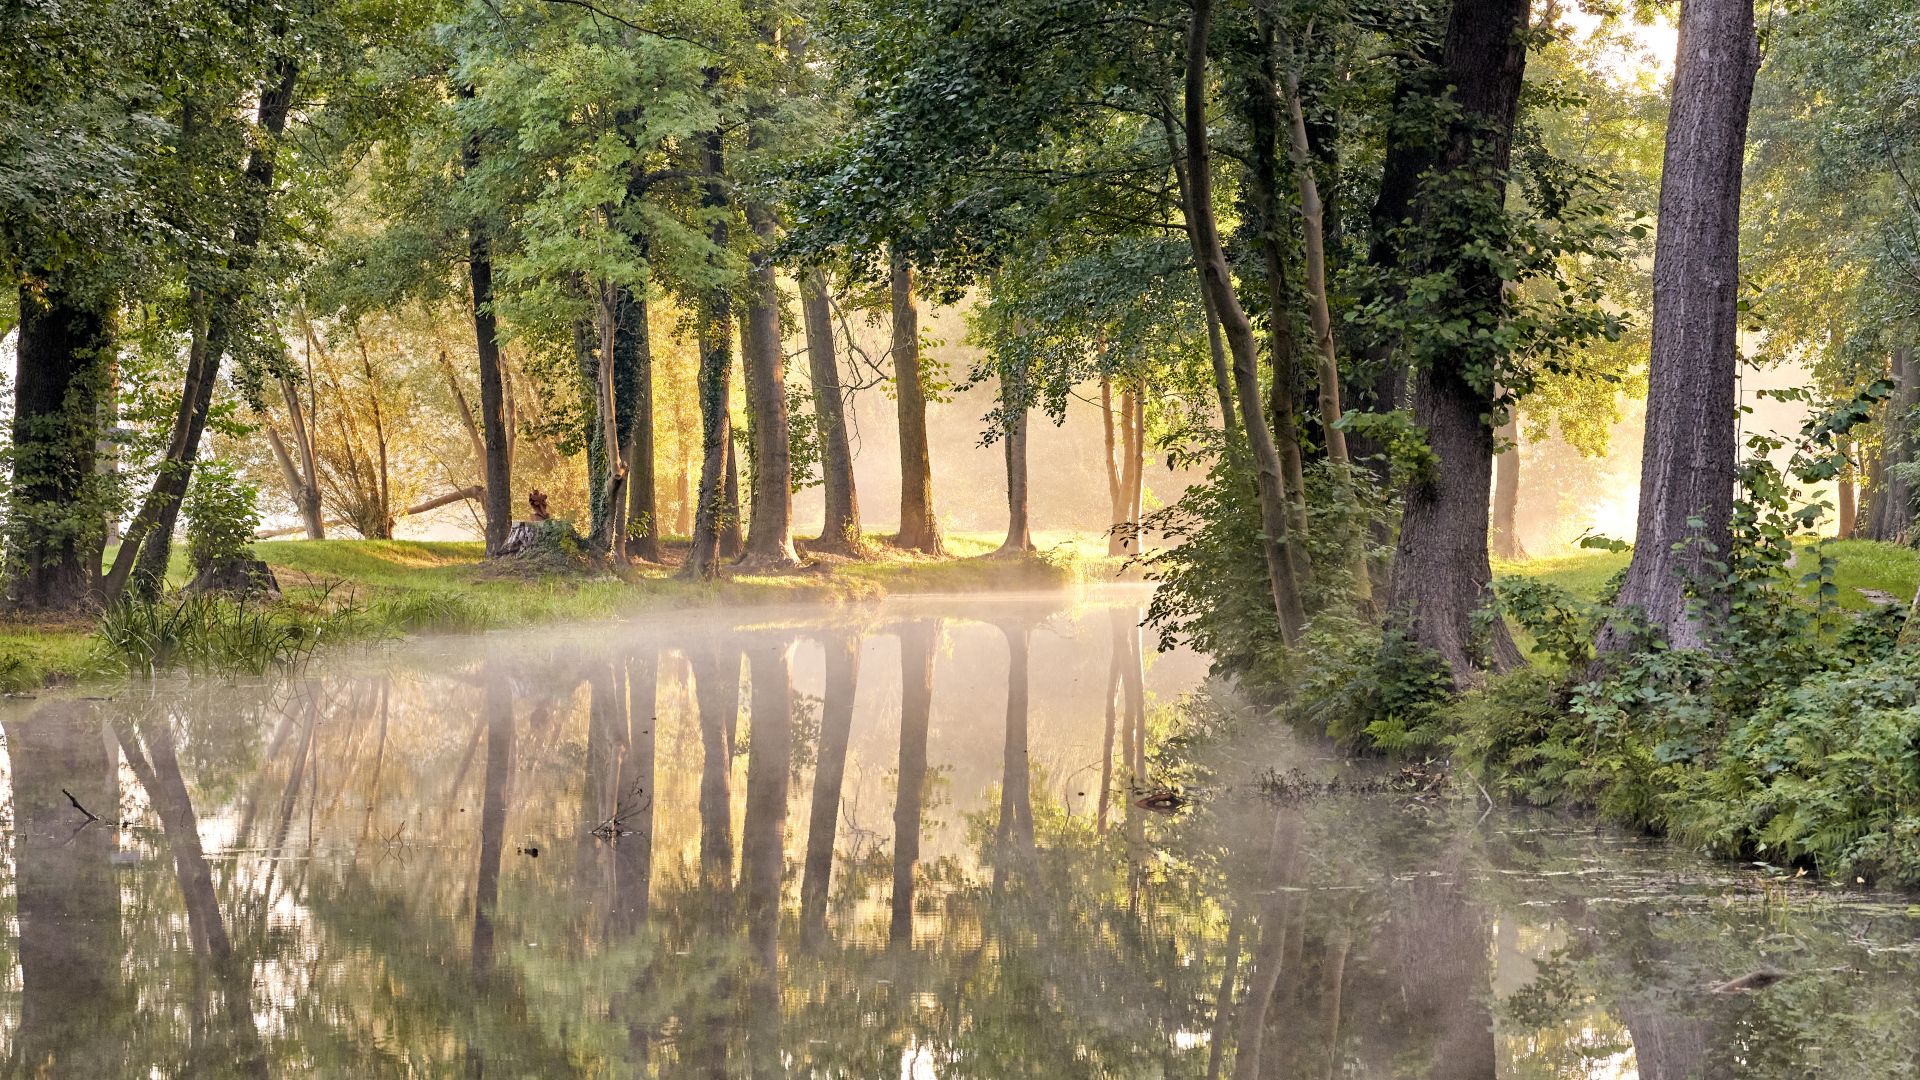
(675, 848)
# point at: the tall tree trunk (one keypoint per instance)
(1442, 579)
(1216, 278)
(917, 642)
(1506, 492)
(633, 349)
(919, 528)
(716, 369)
(733, 542)
(841, 534)
(1116, 504)
(1849, 512)
(303, 485)
(62, 354)
(150, 538)
(1688, 461)
(1893, 510)
(829, 775)
(1260, 108)
(1014, 445)
(770, 532)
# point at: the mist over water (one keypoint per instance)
(691, 845)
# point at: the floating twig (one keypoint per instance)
(91, 816)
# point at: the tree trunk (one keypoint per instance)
(1204, 232)
(61, 355)
(498, 460)
(733, 542)
(1019, 535)
(633, 348)
(917, 643)
(1116, 505)
(841, 534)
(1506, 493)
(150, 538)
(1260, 107)
(1687, 465)
(1849, 512)
(716, 369)
(1442, 577)
(770, 532)
(716, 687)
(1014, 833)
(1893, 510)
(919, 528)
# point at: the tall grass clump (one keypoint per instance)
(208, 633)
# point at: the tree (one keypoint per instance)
(1688, 461)
(841, 534)
(919, 528)
(1441, 575)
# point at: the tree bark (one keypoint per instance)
(770, 530)
(716, 369)
(919, 528)
(1892, 520)
(1019, 535)
(1688, 461)
(61, 356)
(1849, 512)
(841, 534)
(142, 557)
(1442, 579)
(1116, 505)
(733, 542)
(1204, 232)
(633, 348)
(1506, 493)
(1260, 107)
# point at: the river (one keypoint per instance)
(966, 837)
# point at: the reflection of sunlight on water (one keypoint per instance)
(916, 1063)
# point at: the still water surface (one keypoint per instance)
(902, 840)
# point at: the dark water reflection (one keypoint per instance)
(899, 841)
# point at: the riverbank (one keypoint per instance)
(373, 589)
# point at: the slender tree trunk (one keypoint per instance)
(633, 346)
(770, 532)
(1216, 278)
(1687, 465)
(829, 775)
(733, 542)
(716, 368)
(1116, 505)
(841, 534)
(917, 642)
(1260, 107)
(1849, 513)
(1893, 511)
(919, 527)
(149, 539)
(1014, 445)
(1442, 579)
(1506, 492)
(62, 352)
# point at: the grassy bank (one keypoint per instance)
(369, 589)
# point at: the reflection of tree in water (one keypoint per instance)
(372, 868)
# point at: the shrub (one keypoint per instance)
(221, 516)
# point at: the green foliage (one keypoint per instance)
(221, 516)
(206, 633)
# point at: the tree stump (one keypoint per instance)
(244, 578)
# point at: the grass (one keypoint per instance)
(369, 589)
(1891, 569)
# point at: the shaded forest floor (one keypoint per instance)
(396, 587)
